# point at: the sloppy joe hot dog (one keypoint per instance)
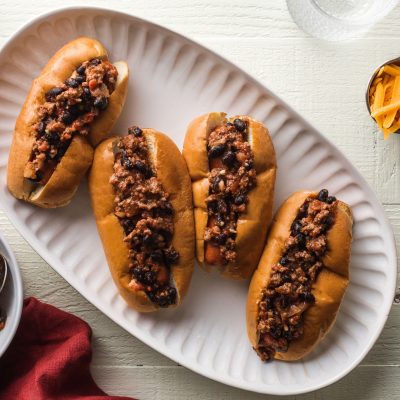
(232, 165)
(71, 107)
(142, 200)
(296, 291)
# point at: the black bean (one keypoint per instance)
(322, 195)
(86, 92)
(41, 128)
(157, 255)
(166, 234)
(149, 276)
(39, 176)
(68, 118)
(286, 278)
(166, 210)
(149, 173)
(71, 82)
(135, 131)
(87, 106)
(229, 158)
(312, 259)
(301, 239)
(137, 273)
(296, 227)
(303, 211)
(143, 168)
(232, 235)
(215, 184)
(288, 335)
(213, 206)
(328, 222)
(52, 138)
(54, 92)
(167, 297)
(152, 296)
(301, 215)
(75, 109)
(101, 103)
(249, 165)
(171, 256)
(240, 125)
(128, 225)
(140, 166)
(220, 221)
(268, 302)
(136, 244)
(240, 199)
(216, 151)
(126, 162)
(62, 149)
(221, 238)
(331, 199)
(285, 301)
(307, 297)
(283, 260)
(79, 79)
(95, 61)
(81, 70)
(222, 207)
(148, 240)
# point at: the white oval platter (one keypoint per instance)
(172, 81)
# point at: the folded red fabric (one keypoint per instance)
(49, 358)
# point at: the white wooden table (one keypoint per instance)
(325, 82)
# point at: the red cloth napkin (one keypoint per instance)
(49, 358)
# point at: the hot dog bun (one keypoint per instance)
(172, 172)
(253, 224)
(64, 182)
(329, 287)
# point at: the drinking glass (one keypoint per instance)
(338, 19)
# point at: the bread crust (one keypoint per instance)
(60, 190)
(329, 287)
(172, 172)
(252, 225)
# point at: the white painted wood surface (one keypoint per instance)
(325, 82)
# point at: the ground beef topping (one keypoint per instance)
(144, 211)
(68, 110)
(232, 176)
(288, 294)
